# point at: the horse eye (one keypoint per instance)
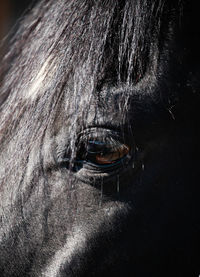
(112, 157)
(101, 153)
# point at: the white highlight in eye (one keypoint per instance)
(47, 68)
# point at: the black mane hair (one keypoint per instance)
(84, 44)
(67, 58)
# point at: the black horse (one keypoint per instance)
(99, 141)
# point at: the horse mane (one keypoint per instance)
(65, 48)
(97, 41)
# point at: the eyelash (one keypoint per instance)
(102, 152)
(99, 152)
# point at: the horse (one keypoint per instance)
(99, 141)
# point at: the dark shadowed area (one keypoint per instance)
(10, 12)
(99, 140)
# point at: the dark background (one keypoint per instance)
(10, 11)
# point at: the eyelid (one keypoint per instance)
(105, 153)
(114, 145)
(106, 145)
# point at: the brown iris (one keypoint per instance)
(110, 155)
